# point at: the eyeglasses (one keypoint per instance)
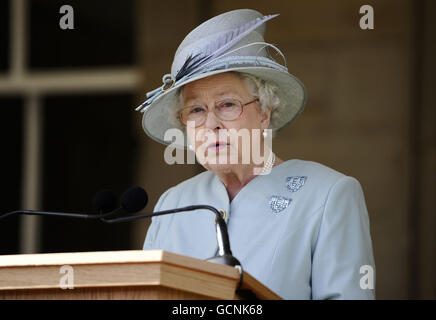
(226, 110)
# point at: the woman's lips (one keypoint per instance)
(218, 145)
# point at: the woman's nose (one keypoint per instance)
(212, 122)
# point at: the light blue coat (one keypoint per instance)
(302, 230)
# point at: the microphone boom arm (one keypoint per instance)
(60, 214)
(221, 227)
(44, 213)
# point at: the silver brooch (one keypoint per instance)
(295, 183)
(279, 203)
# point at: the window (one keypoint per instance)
(75, 88)
(102, 35)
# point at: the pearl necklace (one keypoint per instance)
(269, 164)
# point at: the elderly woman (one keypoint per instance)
(299, 227)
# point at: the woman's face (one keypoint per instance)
(204, 138)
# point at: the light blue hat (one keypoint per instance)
(232, 41)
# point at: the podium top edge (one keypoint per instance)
(113, 257)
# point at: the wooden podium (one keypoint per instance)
(136, 274)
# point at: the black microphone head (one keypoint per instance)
(104, 201)
(134, 199)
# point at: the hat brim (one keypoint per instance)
(291, 91)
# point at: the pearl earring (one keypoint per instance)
(190, 147)
(264, 133)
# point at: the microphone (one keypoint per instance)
(132, 200)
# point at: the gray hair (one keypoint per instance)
(257, 87)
